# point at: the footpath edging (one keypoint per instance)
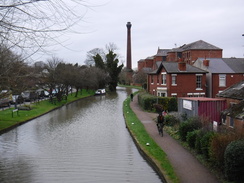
(147, 158)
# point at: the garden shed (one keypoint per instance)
(209, 108)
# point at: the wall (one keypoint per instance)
(231, 79)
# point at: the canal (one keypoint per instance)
(84, 142)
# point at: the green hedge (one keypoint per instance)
(148, 101)
(188, 126)
(234, 161)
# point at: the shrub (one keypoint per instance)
(198, 141)
(234, 161)
(205, 143)
(217, 147)
(185, 127)
(171, 120)
(147, 102)
(191, 138)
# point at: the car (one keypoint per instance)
(29, 95)
(100, 92)
(17, 99)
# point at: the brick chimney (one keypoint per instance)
(206, 63)
(128, 56)
(181, 65)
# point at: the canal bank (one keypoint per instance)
(23, 116)
(187, 168)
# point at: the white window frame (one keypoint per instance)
(199, 83)
(164, 78)
(222, 80)
(174, 79)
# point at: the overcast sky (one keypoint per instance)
(155, 23)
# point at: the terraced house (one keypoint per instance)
(177, 79)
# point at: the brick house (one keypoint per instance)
(177, 79)
(190, 52)
(233, 116)
(222, 73)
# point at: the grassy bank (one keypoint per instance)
(142, 138)
(9, 119)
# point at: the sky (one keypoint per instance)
(155, 24)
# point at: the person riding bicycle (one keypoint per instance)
(160, 123)
(161, 119)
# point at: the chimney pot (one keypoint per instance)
(206, 63)
(182, 66)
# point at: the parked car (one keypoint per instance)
(100, 92)
(5, 98)
(17, 99)
(29, 95)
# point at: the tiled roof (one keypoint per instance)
(236, 64)
(235, 91)
(162, 52)
(222, 65)
(172, 67)
(197, 45)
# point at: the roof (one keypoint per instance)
(236, 111)
(216, 65)
(202, 99)
(197, 45)
(235, 91)
(172, 67)
(236, 64)
(162, 52)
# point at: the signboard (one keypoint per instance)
(215, 125)
(187, 104)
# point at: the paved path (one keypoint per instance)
(186, 166)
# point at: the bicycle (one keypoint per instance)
(160, 128)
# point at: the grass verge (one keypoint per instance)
(142, 138)
(9, 120)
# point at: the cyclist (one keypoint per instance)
(160, 124)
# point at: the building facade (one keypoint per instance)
(177, 79)
(222, 73)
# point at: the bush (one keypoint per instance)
(147, 102)
(205, 143)
(171, 120)
(191, 138)
(234, 161)
(189, 126)
(217, 148)
(198, 141)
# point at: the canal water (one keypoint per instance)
(84, 142)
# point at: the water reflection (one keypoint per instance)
(82, 142)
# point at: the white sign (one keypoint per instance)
(187, 104)
(215, 125)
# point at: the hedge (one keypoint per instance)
(234, 161)
(147, 102)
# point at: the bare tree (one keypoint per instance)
(31, 25)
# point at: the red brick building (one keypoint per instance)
(177, 79)
(222, 73)
(233, 116)
(190, 52)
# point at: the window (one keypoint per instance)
(199, 81)
(163, 78)
(231, 122)
(222, 80)
(151, 78)
(162, 94)
(174, 79)
(157, 79)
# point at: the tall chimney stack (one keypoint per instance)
(128, 58)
